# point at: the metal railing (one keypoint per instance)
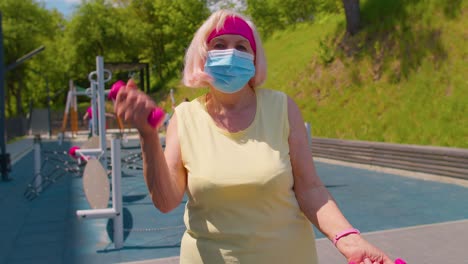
(445, 161)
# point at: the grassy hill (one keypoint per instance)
(402, 79)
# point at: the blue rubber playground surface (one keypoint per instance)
(46, 229)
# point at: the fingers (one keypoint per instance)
(387, 260)
(140, 108)
(134, 106)
(368, 261)
(131, 84)
(129, 104)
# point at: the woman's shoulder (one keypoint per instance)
(190, 107)
(272, 96)
(270, 92)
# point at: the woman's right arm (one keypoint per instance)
(164, 173)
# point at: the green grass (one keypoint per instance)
(402, 79)
(15, 139)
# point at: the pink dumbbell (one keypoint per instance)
(155, 118)
(72, 152)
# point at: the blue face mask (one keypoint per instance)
(231, 69)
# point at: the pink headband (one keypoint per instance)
(235, 26)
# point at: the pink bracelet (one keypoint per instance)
(344, 233)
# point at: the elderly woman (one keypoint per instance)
(241, 155)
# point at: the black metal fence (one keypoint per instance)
(39, 123)
(16, 127)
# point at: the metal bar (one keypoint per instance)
(117, 193)
(101, 102)
(24, 58)
(37, 163)
(94, 111)
(92, 152)
(97, 213)
(49, 119)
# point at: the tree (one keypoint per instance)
(272, 15)
(237, 5)
(352, 12)
(165, 29)
(96, 29)
(27, 24)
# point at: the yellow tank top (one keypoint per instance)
(241, 206)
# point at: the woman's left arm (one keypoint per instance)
(316, 202)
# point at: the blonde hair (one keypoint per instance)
(195, 57)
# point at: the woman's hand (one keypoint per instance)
(358, 251)
(134, 106)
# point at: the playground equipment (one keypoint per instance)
(95, 147)
(92, 154)
(95, 183)
(95, 180)
(71, 107)
(96, 187)
(49, 167)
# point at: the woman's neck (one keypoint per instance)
(232, 112)
(220, 102)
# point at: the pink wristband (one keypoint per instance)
(344, 233)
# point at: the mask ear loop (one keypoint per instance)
(253, 77)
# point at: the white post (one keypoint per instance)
(69, 99)
(90, 152)
(117, 193)
(116, 212)
(93, 109)
(74, 103)
(101, 103)
(37, 164)
(97, 213)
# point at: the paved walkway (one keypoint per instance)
(417, 218)
(427, 244)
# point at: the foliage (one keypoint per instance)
(152, 31)
(237, 5)
(401, 79)
(167, 28)
(272, 15)
(26, 26)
